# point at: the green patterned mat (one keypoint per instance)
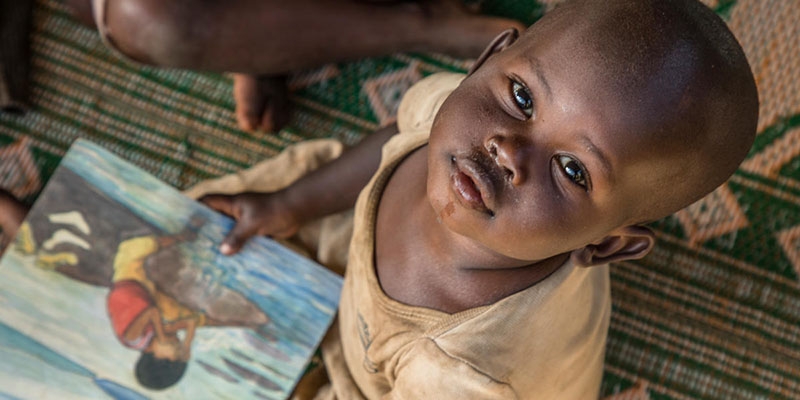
(713, 312)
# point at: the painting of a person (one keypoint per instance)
(147, 320)
(145, 313)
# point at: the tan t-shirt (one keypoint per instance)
(545, 342)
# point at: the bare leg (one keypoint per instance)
(261, 99)
(277, 36)
(12, 213)
(272, 37)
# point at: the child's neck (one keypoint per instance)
(420, 262)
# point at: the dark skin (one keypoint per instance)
(263, 40)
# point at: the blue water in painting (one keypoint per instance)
(10, 338)
(299, 296)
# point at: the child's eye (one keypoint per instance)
(522, 98)
(573, 170)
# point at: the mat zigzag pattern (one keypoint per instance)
(713, 312)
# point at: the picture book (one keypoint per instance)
(115, 288)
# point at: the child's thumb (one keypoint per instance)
(235, 240)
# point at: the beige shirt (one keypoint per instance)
(545, 342)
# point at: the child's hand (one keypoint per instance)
(255, 214)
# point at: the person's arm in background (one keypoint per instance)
(15, 32)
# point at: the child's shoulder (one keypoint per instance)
(422, 101)
(416, 113)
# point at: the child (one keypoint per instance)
(478, 262)
(145, 319)
(263, 40)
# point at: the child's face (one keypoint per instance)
(535, 154)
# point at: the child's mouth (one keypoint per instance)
(472, 184)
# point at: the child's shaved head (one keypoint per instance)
(604, 115)
(678, 63)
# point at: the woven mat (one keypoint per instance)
(713, 312)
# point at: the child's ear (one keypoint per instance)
(627, 243)
(503, 40)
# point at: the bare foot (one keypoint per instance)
(12, 213)
(462, 32)
(261, 102)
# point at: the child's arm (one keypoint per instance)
(189, 325)
(149, 317)
(332, 188)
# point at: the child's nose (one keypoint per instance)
(510, 154)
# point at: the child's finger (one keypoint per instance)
(220, 202)
(236, 239)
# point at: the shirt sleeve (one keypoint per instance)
(422, 101)
(427, 372)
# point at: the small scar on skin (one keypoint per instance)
(448, 210)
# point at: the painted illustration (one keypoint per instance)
(114, 288)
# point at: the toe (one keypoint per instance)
(249, 103)
(277, 113)
(261, 102)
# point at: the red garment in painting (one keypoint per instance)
(126, 301)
